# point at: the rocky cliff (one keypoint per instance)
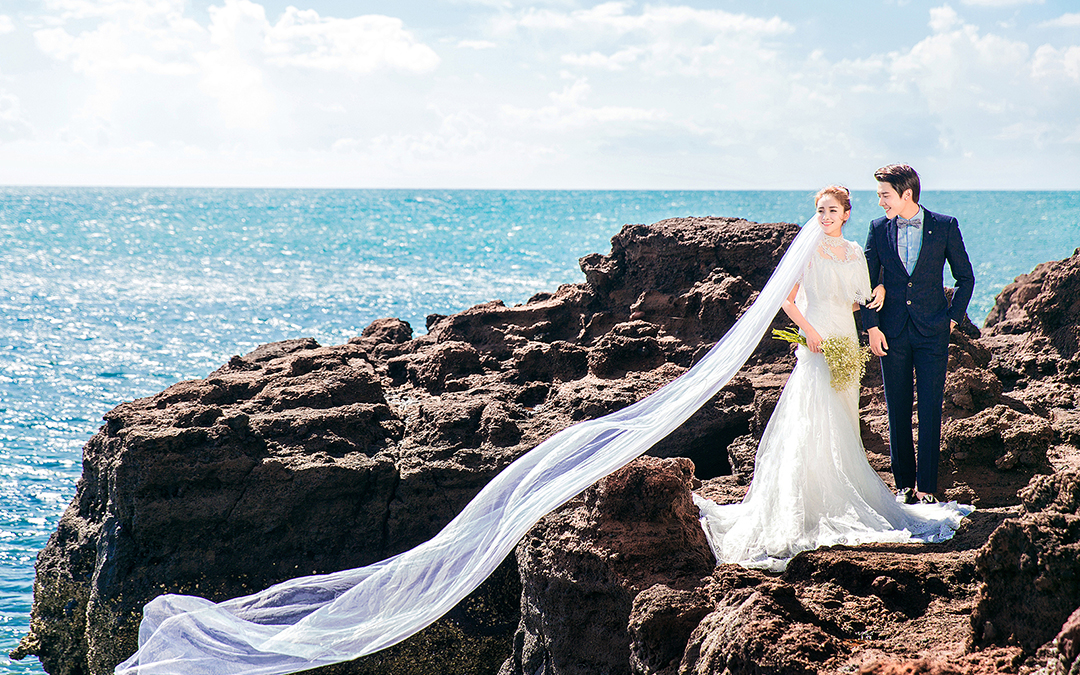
(299, 458)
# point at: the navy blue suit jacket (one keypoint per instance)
(918, 297)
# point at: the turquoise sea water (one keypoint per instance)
(112, 294)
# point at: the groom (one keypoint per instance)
(906, 253)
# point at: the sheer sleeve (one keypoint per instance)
(860, 277)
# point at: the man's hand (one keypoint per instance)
(952, 325)
(878, 297)
(878, 344)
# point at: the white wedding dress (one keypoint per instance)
(812, 484)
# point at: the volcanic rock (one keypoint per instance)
(1030, 567)
(582, 566)
(393, 331)
(299, 458)
(1035, 326)
(1062, 655)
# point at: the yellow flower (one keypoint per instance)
(846, 359)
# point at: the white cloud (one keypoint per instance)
(1064, 21)
(477, 44)
(232, 72)
(6, 24)
(13, 121)
(154, 36)
(131, 39)
(1001, 3)
(150, 70)
(943, 18)
(617, 94)
(459, 149)
(990, 98)
(66, 10)
(958, 64)
(616, 61)
(684, 82)
(960, 95)
(1054, 65)
(569, 112)
(673, 81)
(661, 40)
(362, 44)
(613, 17)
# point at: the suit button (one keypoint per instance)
(909, 284)
(909, 302)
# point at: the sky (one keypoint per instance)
(557, 94)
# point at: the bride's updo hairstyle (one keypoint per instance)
(839, 192)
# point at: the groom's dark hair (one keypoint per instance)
(902, 177)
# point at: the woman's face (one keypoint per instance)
(832, 215)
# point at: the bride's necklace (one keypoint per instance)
(835, 248)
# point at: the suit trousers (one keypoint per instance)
(912, 361)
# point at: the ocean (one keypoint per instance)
(110, 294)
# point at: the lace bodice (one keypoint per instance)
(835, 277)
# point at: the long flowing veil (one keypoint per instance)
(318, 620)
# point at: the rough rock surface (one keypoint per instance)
(1062, 655)
(632, 530)
(1034, 335)
(300, 458)
(1031, 567)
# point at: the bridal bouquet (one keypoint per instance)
(846, 359)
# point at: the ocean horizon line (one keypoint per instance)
(811, 190)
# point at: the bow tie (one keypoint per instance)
(915, 222)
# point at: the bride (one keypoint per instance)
(812, 484)
(812, 487)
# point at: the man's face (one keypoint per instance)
(889, 200)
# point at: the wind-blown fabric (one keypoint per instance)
(318, 620)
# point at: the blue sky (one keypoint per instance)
(769, 94)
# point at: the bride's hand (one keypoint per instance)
(813, 341)
(878, 298)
